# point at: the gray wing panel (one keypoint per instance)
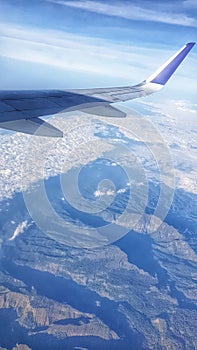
(59, 100)
(28, 105)
(15, 105)
(119, 94)
(24, 106)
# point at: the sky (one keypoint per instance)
(83, 43)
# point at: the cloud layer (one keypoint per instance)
(133, 12)
(76, 53)
(73, 52)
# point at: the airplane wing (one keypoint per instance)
(21, 110)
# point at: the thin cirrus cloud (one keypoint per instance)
(77, 53)
(96, 57)
(190, 4)
(133, 12)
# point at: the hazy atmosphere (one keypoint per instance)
(98, 232)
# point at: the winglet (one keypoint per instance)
(163, 74)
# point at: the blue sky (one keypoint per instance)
(71, 44)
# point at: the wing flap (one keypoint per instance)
(104, 111)
(34, 126)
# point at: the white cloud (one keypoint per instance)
(176, 120)
(107, 192)
(185, 106)
(132, 12)
(121, 190)
(20, 229)
(103, 193)
(37, 158)
(98, 303)
(187, 181)
(190, 4)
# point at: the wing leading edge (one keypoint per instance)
(20, 110)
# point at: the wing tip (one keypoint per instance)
(191, 44)
(163, 74)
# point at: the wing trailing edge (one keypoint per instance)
(34, 126)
